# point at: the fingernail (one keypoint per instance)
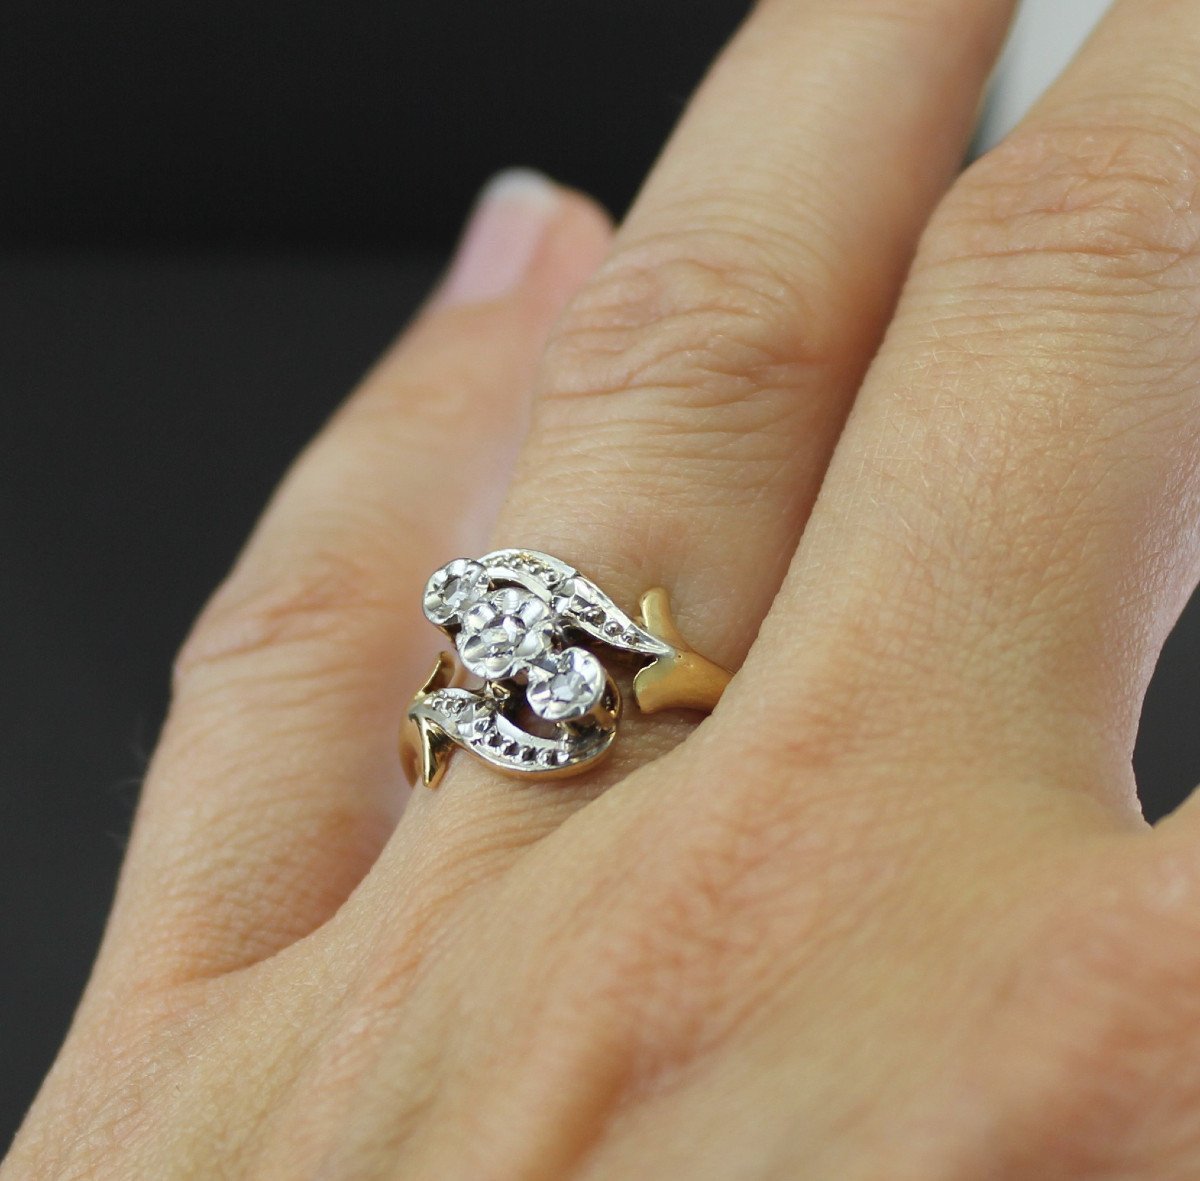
(502, 235)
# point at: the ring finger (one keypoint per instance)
(691, 396)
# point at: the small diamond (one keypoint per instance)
(505, 632)
(453, 590)
(571, 600)
(567, 685)
(613, 628)
(475, 720)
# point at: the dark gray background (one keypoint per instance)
(212, 217)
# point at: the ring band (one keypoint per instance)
(524, 625)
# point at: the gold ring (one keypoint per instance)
(524, 626)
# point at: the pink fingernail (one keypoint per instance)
(506, 226)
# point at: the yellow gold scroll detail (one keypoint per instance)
(425, 749)
(681, 680)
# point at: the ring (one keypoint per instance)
(524, 625)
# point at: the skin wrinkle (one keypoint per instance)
(1074, 199)
(700, 339)
(665, 422)
(334, 595)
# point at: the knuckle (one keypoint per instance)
(1107, 1009)
(323, 602)
(1118, 201)
(702, 318)
(1140, 939)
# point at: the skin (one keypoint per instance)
(892, 911)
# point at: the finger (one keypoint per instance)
(691, 394)
(1009, 527)
(276, 781)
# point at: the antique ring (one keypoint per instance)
(524, 625)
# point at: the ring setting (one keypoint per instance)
(530, 630)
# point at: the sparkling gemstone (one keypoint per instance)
(475, 720)
(453, 590)
(567, 685)
(570, 600)
(504, 633)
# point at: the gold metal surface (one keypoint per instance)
(682, 680)
(424, 749)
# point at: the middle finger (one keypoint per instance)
(1015, 505)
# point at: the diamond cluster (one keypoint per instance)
(511, 632)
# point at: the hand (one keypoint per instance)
(891, 912)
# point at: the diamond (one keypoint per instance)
(504, 633)
(570, 599)
(565, 686)
(453, 590)
(475, 720)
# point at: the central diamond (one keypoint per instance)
(504, 633)
(566, 685)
